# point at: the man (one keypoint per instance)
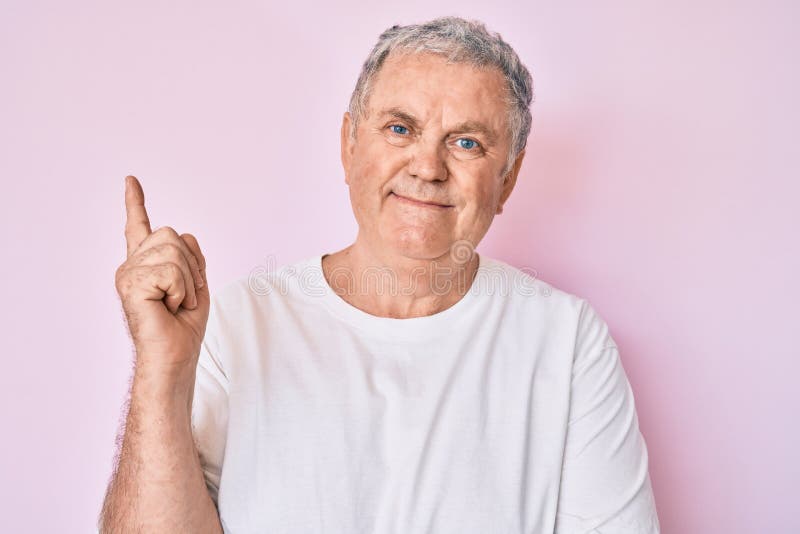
(403, 384)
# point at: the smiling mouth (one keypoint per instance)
(419, 202)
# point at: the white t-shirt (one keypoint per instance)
(508, 413)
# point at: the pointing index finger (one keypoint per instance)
(137, 224)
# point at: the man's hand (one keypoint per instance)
(163, 288)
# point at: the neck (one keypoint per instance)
(390, 285)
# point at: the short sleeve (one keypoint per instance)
(210, 406)
(605, 483)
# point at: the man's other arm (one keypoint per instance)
(605, 483)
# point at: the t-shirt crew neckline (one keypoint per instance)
(412, 328)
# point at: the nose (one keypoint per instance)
(428, 160)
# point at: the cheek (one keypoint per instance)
(480, 196)
(480, 201)
(367, 180)
(373, 170)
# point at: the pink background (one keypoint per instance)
(660, 183)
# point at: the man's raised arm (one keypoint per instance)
(158, 484)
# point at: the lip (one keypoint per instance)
(419, 202)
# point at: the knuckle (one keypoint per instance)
(191, 241)
(188, 249)
(170, 231)
(166, 232)
(119, 277)
(126, 279)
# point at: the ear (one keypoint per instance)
(347, 145)
(509, 181)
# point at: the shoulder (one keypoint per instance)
(242, 300)
(539, 303)
(522, 287)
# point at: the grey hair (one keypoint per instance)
(460, 41)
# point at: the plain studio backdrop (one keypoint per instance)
(660, 183)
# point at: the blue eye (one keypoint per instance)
(398, 126)
(470, 146)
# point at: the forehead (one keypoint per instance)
(426, 85)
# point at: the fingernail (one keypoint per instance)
(200, 282)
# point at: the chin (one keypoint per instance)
(421, 246)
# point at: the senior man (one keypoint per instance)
(404, 384)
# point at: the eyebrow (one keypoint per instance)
(464, 127)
